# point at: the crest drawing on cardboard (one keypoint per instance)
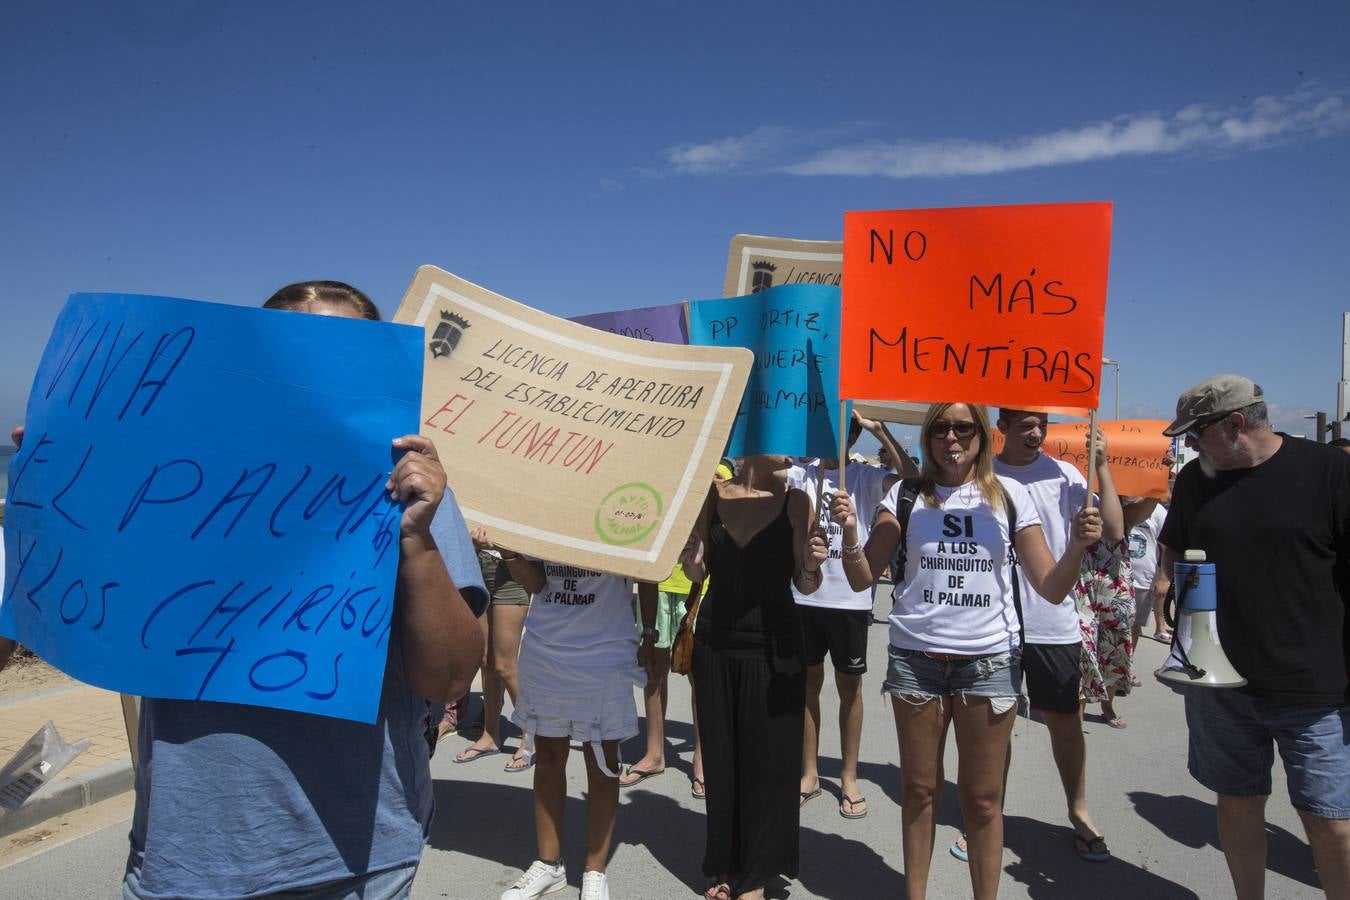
(565, 442)
(756, 263)
(448, 332)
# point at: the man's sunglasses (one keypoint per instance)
(962, 430)
(1199, 428)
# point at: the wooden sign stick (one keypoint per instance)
(1092, 456)
(843, 444)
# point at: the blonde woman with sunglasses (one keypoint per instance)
(954, 628)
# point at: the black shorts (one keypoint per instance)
(843, 632)
(1053, 673)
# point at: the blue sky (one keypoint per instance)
(583, 157)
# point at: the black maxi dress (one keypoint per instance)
(750, 683)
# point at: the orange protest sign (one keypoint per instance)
(1003, 305)
(1134, 450)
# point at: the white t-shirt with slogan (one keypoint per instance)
(1144, 549)
(866, 485)
(957, 594)
(1058, 491)
(581, 619)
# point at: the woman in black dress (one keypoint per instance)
(754, 538)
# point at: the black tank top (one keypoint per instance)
(751, 602)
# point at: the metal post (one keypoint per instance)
(1343, 388)
(1336, 430)
(1107, 361)
(1321, 428)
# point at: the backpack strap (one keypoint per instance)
(1011, 509)
(909, 491)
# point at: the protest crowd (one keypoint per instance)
(1012, 579)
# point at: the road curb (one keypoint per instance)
(69, 794)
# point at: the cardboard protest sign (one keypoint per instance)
(756, 263)
(1134, 449)
(892, 411)
(198, 508)
(791, 404)
(648, 323)
(565, 442)
(1003, 305)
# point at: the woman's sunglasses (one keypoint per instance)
(962, 430)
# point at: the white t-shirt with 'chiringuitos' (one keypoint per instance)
(956, 596)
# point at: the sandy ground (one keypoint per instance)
(26, 675)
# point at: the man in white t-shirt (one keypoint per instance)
(835, 618)
(1051, 656)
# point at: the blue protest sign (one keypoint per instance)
(791, 402)
(198, 508)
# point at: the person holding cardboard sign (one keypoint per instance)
(955, 644)
(579, 661)
(754, 536)
(235, 800)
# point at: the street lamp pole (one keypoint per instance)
(1106, 361)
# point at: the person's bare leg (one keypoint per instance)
(602, 805)
(508, 621)
(655, 696)
(1070, 752)
(1109, 704)
(698, 742)
(1330, 840)
(921, 731)
(815, 680)
(850, 734)
(490, 739)
(550, 795)
(982, 740)
(1242, 835)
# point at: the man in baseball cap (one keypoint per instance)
(1211, 400)
(1272, 512)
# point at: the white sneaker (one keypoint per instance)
(594, 886)
(539, 879)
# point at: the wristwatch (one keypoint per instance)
(648, 633)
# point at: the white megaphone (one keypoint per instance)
(1196, 658)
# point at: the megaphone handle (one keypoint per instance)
(1177, 599)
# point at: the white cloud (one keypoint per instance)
(1307, 113)
(728, 153)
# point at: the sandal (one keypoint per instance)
(698, 790)
(637, 776)
(808, 796)
(717, 890)
(1092, 849)
(848, 807)
(469, 754)
(520, 763)
(959, 849)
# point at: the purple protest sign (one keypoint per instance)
(650, 323)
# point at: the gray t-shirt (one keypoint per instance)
(235, 801)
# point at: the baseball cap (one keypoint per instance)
(1213, 397)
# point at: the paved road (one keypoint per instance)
(1158, 822)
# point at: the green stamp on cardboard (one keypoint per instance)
(628, 513)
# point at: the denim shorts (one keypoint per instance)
(1232, 741)
(914, 674)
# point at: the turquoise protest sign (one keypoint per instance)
(791, 402)
(198, 508)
